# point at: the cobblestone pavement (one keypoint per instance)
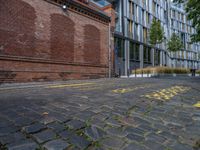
(110, 114)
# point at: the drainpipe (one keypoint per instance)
(123, 33)
(122, 7)
(109, 53)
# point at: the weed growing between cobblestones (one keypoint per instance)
(80, 132)
(95, 144)
(197, 145)
(168, 149)
(117, 117)
(107, 126)
(131, 110)
(40, 148)
(3, 147)
(68, 128)
(88, 123)
(71, 147)
(148, 110)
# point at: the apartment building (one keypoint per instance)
(189, 56)
(132, 47)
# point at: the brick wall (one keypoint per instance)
(39, 41)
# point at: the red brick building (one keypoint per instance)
(41, 41)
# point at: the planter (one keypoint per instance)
(159, 75)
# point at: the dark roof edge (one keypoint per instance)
(84, 7)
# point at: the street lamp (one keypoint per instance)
(64, 7)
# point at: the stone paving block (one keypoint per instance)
(5, 123)
(141, 120)
(75, 124)
(98, 123)
(66, 134)
(8, 130)
(113, 143)
(159, 126)
(60, 117)
(85, 115)
(193, 130)
(196, 117)
(182, 146)
(34, 116)
(147, 128)
(23, 121)
(44, 136)
(56, 126)
(94, 133)
(135, 130)
(169, 135)
(153, 145)
(36, 127)
(56, 145)
(117, 132)
(30, 146)
(10, 114)
(12, 138)
(113, 122)
(135, 137)
(100, 117)
(79, 141)
(135, 146)
(156, 137)
(47, 119)
(23, 145)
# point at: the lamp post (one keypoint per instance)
(64, 7)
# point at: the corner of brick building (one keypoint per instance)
(111, 13)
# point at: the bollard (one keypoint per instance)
(142, 72)
(135, 71)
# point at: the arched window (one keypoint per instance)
(92, 46)
(17, 28)
(62, 38)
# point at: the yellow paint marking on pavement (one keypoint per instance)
(69, 85)
(167, 94)
(126, 90)
(197, 104)
(90, 88)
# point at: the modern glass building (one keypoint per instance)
(189, 56)
(132, 47)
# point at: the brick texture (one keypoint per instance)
(92, 47)
(17, 28)
(39, 41)
(62, 38)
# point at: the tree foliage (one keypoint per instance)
(174, 44)
(192, 8)
(156, 33)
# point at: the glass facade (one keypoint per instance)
(133, 21)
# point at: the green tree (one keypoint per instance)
(192, 8)
(174, 44)
(156, 33)
(156, 36)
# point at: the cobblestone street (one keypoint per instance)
(110, 114)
